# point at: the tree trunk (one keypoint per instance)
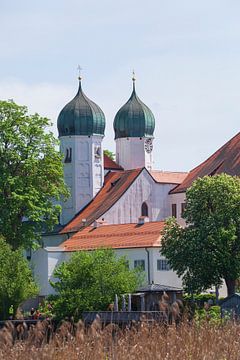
(231, 284)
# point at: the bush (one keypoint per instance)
(16, 281)
(211, 314)
(200, 299)
(90, 280)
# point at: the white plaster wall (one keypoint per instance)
(177, 199)
(55, 258)
(134, 254)
(43, 264)
(53, 239)
(39, 266)
(166, 277)
(144, 189)
(131, 154)
(128, 208)
(84, 176)
(161, 201)
(158, 277)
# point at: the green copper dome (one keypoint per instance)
(81, 116)
(134, 119)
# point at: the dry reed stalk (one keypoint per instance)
(188, 341)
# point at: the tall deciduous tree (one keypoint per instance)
(207, 250)
(90, 280)
(16, 282)
(31, 175)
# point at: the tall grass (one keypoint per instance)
(186, 342)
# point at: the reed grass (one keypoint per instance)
(188, 341)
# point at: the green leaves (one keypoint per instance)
(90, 280)
(16, 282)
(31, 175)
(208, 249)
(109, 153)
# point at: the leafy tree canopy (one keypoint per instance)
(16, 282)
(208, 249)
(31, 175)
(90, 280)
(110, 154)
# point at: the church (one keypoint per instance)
(118, 204)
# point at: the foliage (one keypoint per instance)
(200, 299)
(211, 314)
(208, 249)
(16, 282)
(90, 280)
(46, 309)
(109, 153)
(31, 175)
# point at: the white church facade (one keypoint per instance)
(120, 205)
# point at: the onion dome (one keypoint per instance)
(81, 116)
(134, 119)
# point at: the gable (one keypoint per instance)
(115, 185)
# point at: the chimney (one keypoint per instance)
(84, 222)
(96, 224)
(143, 220)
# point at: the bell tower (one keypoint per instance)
(134, 125)
(81, 126)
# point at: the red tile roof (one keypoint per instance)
(168, 177)
(121, 236)
(109, 164)
(225, 160)
(115, 185)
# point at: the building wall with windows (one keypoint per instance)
(46, 260)
(177, 203)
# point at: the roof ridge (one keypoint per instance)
(169, 171)
(128, 233)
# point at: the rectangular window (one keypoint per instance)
(174, 210)
(183, 206)
(139, 263)
(163, 265)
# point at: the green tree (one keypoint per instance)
(90, 280)
(207, 250)
(16, 282)
(31, 175)
(109, 153)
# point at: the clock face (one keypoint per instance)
(148, 145)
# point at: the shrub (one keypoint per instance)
(16, 281)
(90, 280)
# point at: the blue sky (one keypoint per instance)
(186, 55)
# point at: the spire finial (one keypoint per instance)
(79, 72)
(133, 76)
(133, 79)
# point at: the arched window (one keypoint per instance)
(68, 157)
(144, 209)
